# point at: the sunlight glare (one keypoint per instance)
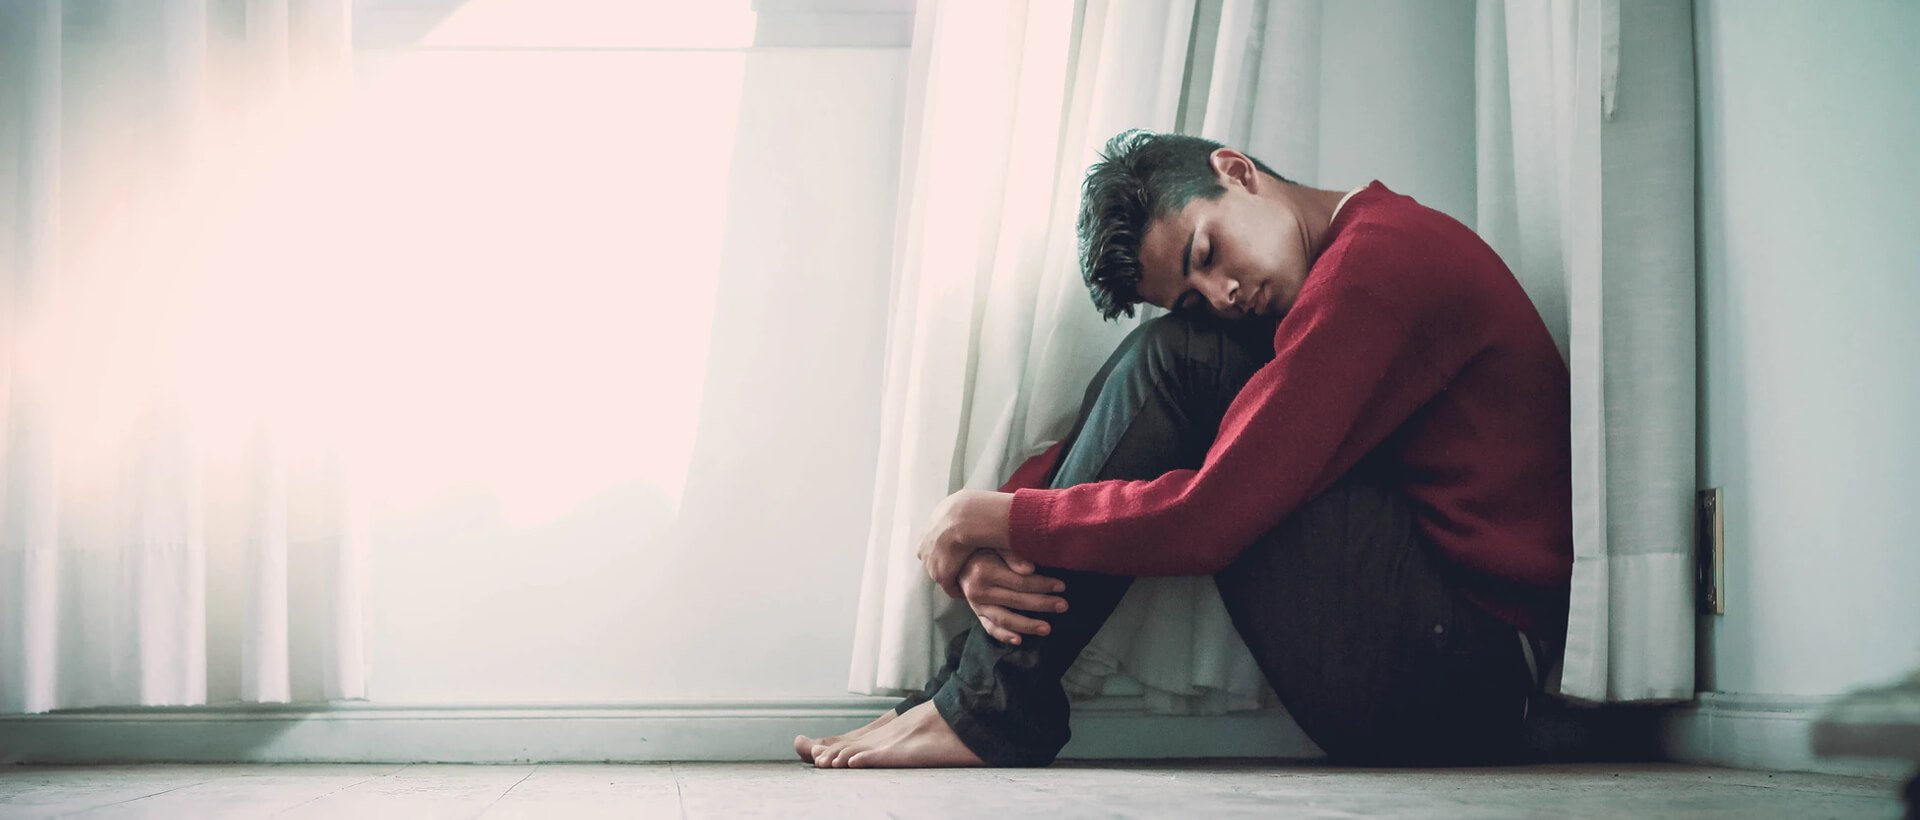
(707, 24)
(540, 240)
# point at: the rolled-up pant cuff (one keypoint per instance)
(909, 702)
(981, 739)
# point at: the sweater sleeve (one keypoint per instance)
(1347, 372)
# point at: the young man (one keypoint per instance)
(1354, 419)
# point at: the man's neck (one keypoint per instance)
(1316, 208)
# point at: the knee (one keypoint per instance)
(1162, 345)
(1206, 355)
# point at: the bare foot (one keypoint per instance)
(919, 739)
(804, 746)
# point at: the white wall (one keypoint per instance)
(1810, 344)
(648, 507)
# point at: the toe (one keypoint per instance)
(843, 754)
(803, 746)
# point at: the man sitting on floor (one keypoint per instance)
(1353, 418)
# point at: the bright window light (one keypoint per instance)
(596, 24)
(538, 235)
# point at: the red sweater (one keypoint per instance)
(1411, 346)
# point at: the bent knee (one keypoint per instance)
(1163, 341)
(1168, 346)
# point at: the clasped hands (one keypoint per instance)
(966, 552)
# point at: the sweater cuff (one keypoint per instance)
(1028, 520)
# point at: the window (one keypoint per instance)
(543, 205)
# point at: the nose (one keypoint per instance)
(1222, 293)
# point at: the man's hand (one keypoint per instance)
(994, 590)
(966, 521)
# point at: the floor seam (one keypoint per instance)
(503, 795)
(679, 798)
(402, 768)
(141, 797)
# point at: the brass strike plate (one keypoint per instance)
(1710, 553)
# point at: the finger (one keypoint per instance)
(998, 634)
(1015, 599)
(1018, 564)
(1039, 583)
(995, 574)
(1006, 619)
(1007, 578)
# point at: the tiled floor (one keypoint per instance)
(1203, 789)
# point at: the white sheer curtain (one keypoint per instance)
(1585, 143)
(993, 340)
(176, 522)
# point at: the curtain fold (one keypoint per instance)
(1585, 162)
(176, 521)
(1644, 356)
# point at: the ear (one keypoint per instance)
(1231, 167)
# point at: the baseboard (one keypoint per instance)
(1742, 731)
(733, 730)
(1772, 732)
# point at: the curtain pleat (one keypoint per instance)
(148, 554)
(1593, 210)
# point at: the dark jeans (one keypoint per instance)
(1346, 610)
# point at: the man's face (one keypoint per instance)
(1242, 254)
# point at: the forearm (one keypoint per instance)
(986, 519)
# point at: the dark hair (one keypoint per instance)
(1140, 176)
